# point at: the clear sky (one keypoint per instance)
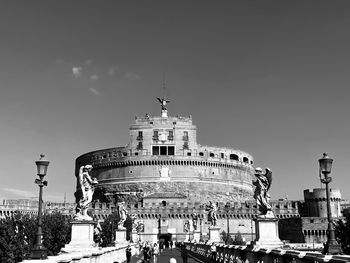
(267, 77)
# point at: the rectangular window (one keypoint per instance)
(171, 135)
(171, 150)
(163, 150)
(155, 150)
(189, 154)
(185, 147)
(155, 135)
(139, 146)
(222, 155)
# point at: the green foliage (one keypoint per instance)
(109, 226)
(226, 238)
(18, 235)
(128, 225)
(57, 232)
(238, 239)
(342, 233)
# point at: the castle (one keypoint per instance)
(165, 177)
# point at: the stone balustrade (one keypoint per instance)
(95, 255)
(240, 254)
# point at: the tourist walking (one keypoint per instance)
(184, 253)
(155, 252)
(213, 252)
(128, 253)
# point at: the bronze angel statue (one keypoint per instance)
(263, 183)
(163, 102)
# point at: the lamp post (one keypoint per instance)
(227, 208)
(39, 251)
(331, 247)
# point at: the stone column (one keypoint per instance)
(266, 230)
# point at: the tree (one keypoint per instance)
(56, 231)
(18, 235)
(109, 226)
(238, 239)
(342, 233)
(226, 238)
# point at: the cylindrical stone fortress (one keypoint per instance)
(163, 156)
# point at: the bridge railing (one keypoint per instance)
(246, 254)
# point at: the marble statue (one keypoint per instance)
(263, 183)
(211, 208)
(122, 215)
(87, 187)
(194, 221)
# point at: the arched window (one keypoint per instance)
(234, 157)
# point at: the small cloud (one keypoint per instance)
(111, 71)
(88, 62)
(77, 71)
(132, 75)
(19, 192)
(94, 77)
(94, 91)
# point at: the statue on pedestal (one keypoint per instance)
(211, 208)
(87, 187)
(122, 215)
(195, 221)
(263, 183)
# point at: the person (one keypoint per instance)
(213, 252)
(128, 253)
(87, 190)
(184, 253)
(172, 260)
(155, 252)
(171, 244)
(146, 253)
(263, 183)
(161, 246)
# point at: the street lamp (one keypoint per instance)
(39, 251)
(331, 247)
(227, 208)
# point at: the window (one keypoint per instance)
(140, 136)
(171, 135)
(139, 146)
(245, 160)
(185, 147)
(155, 150)
(185, 137)
(155, 135)
(212, 155)
(222, 155)
(171, 150)
(201, 154)
(233, 157)
(163, 150)
(188, 154)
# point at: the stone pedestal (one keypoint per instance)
(196, 235)
(214, 234)
(266, 230)
(82, 237)
(120, 237)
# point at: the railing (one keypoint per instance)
(240, 254)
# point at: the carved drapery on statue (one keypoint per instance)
(122, 215)
(263, 183)
(212, 217)
(194, 221)
(84, 198)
